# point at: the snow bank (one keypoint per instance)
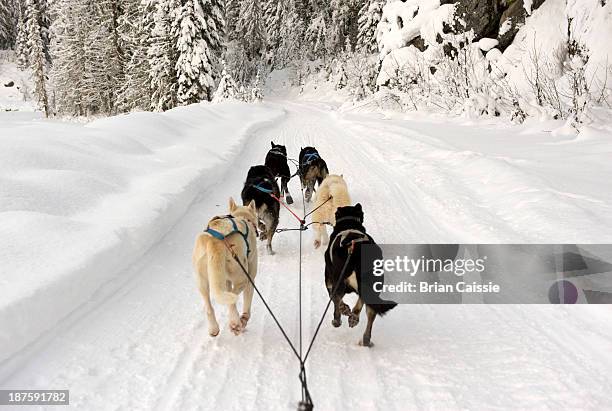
(558, 66)
(79, 203)
(403, 21)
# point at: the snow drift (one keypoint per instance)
(79, 203)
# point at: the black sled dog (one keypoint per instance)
(276, 160)
(313, 169)
(259, 184)
(345, 243)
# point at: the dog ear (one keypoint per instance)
(253, 207)
(232, 205)
(272, 143)
(358, 207)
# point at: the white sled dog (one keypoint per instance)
(216, 268)
(325, 207)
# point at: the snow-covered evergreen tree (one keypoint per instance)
(163, 55)
(21, 43)
(70, 28)
(369, 17)
(37, 58)
(256, 92)
(44, 21)
(135, 27)
(231, 11)
(214, 33)
(212, 11)
(316, 36)
(103, 56)
(250, 27)
(87, 65)
(227, 88)
(343, 23)
(9, 15)
(193, 66)
(291, 36)
(276, 15)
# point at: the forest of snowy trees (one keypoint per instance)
(108, 56)
(517, 59)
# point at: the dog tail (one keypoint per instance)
(382, 309)
(217, 267)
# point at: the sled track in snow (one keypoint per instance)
(147, 346)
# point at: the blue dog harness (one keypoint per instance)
(310, 157)
(260, 186)
(220, 236)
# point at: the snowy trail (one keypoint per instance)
(142, 344)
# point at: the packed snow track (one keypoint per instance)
(141, 342)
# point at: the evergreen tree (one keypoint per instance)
(193, 66)
(369, 17)
(291, 36)
(227, 88)
(256, 93)
(9, 17)
(214, 32)
(44, 21)
(274, 13)
(135, 28)
(103, 56)
(37, 54)
(163, 55)
(250, 27)
(316, 36)
(21, 43)
(70, 28)
(231, 12)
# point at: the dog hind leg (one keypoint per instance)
(318, 228)
(213, 325)
(247, 298)
(355, 313)
(285, 190)
(271, 223)
(366, 340)
(337, 321)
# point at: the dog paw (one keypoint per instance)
(336, 323)
(353, 320)
(263, 236)
(270, 251)
(244, 319)
(316, 244)
(236, 327)
(213, 332)
(368, 343)
(345, 310)
(289, 200)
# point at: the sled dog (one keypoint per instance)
(276, 160)
(345, 243)
(332, 193)
(216, 268)
(259, 184)
(313, 169)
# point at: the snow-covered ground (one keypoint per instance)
(99, 296)
(79, 203)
